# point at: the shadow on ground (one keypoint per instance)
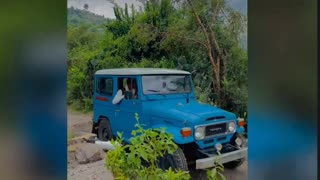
(240, 173)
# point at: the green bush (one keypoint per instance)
(138, 160)
(127, 161)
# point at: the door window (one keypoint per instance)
(129, 88)
(105, 86)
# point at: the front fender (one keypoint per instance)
(175, 132)
(240, 130)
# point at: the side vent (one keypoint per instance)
(215, 118)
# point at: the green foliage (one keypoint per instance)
(216, 172)
(162, 34)
(83, 45)
(71, 134)
(138, 160)
(76, 17)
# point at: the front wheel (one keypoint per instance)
(234, 164)
(104, 131)
(177, 161)
(238, 162)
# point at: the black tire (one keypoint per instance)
(177, 161)
(234, 164)
(104, 131)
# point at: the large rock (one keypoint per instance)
(85, 137)
(87, 152)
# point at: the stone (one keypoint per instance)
(87, 137)
(87, 153)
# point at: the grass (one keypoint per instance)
(72, 109)
(71, 135)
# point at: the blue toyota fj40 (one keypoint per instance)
(165, 98)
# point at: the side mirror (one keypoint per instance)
(118, 97)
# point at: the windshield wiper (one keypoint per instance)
(152, 90)
(171, 89)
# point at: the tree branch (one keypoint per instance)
(216, 11)
(212, 34)
(205, 33)
(215, 42)
(203, 29)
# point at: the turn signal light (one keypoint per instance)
(185, 132)
(241, 122)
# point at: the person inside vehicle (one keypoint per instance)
(130, 88)
(134, 89)
(127, 90)
(121, 91)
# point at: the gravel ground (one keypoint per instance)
(95, 170)
(79, 123)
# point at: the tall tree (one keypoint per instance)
(211, 16)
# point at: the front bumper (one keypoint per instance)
(223, 158)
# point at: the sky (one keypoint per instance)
(104, 7)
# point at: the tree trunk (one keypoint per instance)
(209, 44)
(216, 77)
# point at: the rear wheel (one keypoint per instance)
(177, 161)
(104, 131)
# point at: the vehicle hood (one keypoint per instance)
(192, 112)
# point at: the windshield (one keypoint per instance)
(166, 84)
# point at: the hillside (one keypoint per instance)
(78, 16)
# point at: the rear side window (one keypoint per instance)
(105, 86)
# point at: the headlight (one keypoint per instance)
(199, 133)
(232, 126)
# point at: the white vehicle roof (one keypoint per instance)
(139, 71)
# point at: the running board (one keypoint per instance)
(105, 145)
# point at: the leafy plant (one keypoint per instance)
(138, 160)
(216, 172)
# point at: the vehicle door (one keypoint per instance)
(104, 92)
(128, 106)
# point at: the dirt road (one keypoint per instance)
(80, 123)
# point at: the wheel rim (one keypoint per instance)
(105, 134)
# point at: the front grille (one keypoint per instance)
(215, 129)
